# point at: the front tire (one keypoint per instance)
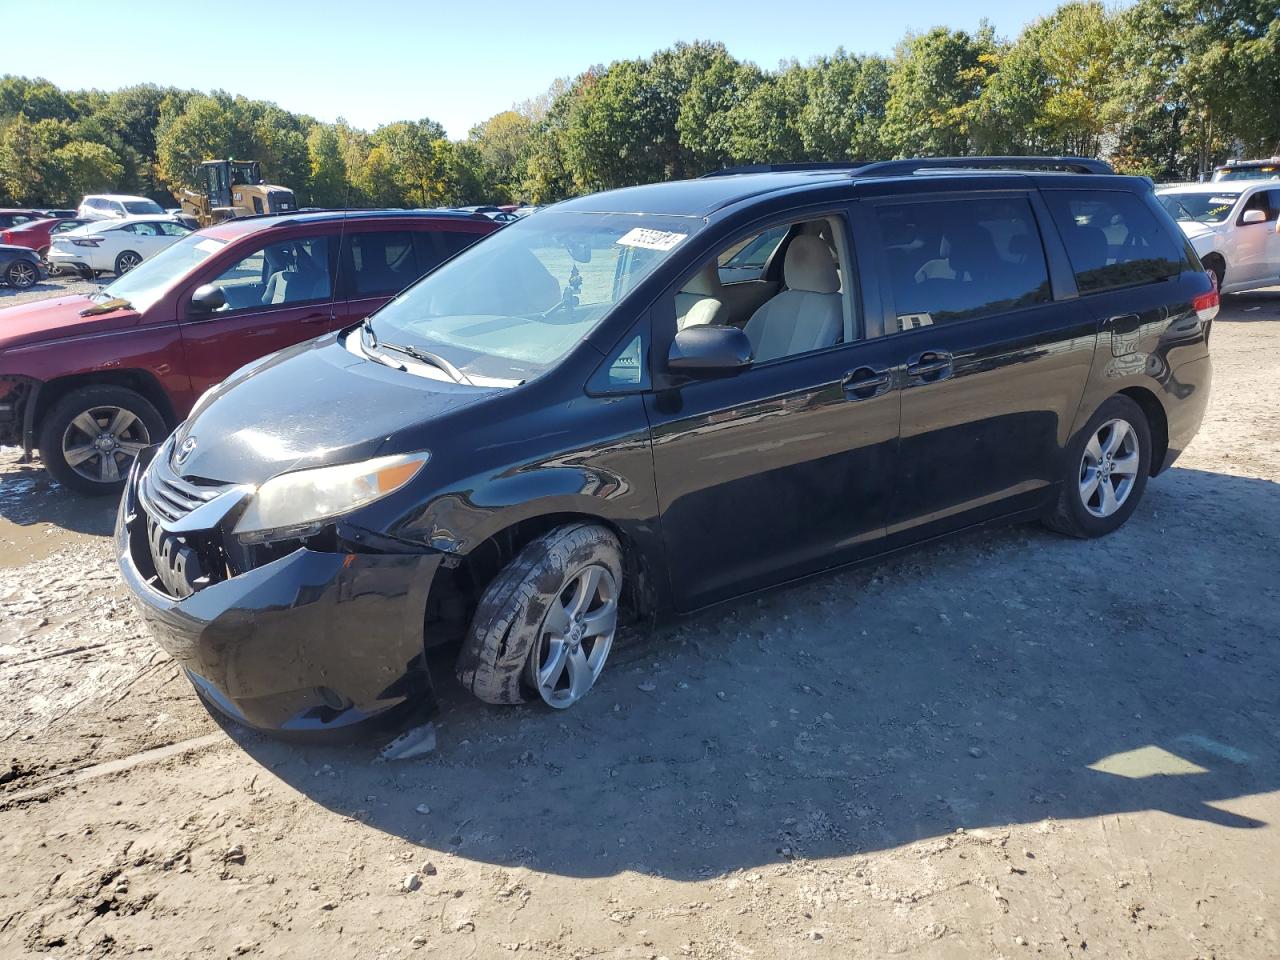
(1217, 268)
(1108, 464)
(545, 625)
(90, 438)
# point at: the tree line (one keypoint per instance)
(1164, 88)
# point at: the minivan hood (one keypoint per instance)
(57, 318)
(311, 405)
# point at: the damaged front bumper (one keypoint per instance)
(321, 638)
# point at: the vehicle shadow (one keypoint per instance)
(1007, 676)
(28, 495)
(1252, 307)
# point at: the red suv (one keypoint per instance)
(90, 381)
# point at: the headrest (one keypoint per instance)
(808, 266)
(704, 283)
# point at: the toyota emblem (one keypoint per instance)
(184, 451)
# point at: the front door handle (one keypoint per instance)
(930, 367)
(865, 383)
(316, 318)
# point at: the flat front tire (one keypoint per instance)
(88, 440)
(545, 625)
(1108, 464)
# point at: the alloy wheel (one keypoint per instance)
(22, 274)
(1109, 468)
(575, 637)
(127, 262)
(100, 443)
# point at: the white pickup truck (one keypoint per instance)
(1233, 226)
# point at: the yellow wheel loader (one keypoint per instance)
(233, 188)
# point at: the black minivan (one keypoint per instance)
(653, 399)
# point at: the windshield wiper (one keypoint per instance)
(424, 356)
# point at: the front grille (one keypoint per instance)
(167, 496)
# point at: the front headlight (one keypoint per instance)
(293, 502)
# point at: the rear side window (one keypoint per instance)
(1113, 239)
(952, 260)
(385, 262)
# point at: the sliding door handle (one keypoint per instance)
(930, 367)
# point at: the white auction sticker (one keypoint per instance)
(210, 246)
(650, 239)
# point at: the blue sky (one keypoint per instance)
(374, 61)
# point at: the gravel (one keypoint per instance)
(803, 764)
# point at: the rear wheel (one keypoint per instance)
(89, 440)
(1108, 464)
(127, 261)
(545, 625)
(22, 274)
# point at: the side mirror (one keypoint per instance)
(208, 299)
(708, 350)
(1254, 216)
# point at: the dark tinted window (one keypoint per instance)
(960, 259)
(448, 242)
(1113, 239)
(385, 262)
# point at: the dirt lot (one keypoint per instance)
(1005, 745)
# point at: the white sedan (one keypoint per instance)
(1232, 225)
(115, 246)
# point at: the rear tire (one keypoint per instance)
(127, 261)
(22, 275)
(545, 625)
(1107, 467)
(91, 426)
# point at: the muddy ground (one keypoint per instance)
(1005, 745)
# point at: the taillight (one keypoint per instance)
(1206, 305)
(6, 237)
(87, 241)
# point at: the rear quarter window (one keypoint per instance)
(1113, 239)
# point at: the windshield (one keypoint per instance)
(142, 206)
(1200, 207)
(147, 282)
(515, 303)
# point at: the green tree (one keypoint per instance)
(934, 87)
(327, 180)
(85, 167)
(843, 112)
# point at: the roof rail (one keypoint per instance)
(902, 168)
(800, 167)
